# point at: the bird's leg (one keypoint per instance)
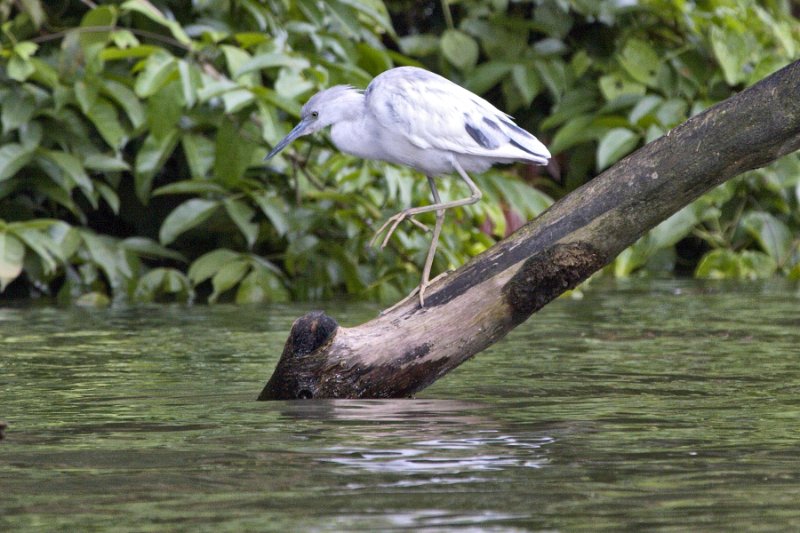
(440, 208)
(437, 229)
(395, 220)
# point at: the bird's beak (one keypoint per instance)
(297, 131)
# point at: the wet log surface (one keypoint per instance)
(408, 348)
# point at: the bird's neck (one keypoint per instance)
(354, 137)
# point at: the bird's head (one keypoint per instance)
(341, 102)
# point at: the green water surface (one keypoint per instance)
(653, 406)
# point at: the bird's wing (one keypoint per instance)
(432, 112)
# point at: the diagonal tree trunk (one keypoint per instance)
(407, 349)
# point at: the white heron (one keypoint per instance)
(416, 118)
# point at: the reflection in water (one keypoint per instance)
(427, 456)
(439, 437)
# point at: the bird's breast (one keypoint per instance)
(369, 140)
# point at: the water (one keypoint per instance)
(666, 405)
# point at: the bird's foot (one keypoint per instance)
(418, 290)
(392, 222)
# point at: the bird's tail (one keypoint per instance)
(522, 140)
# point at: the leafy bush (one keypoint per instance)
(133, 137)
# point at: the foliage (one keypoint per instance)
(149, 121)
(133, 135)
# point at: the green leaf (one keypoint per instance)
(271, 60)
(93, 41)
(190, 81)
(291, 84)
(25, 49)
(644, 108)
(66, 237)
(145, 247)
(73, 168)
(163, 281)
(151, 157)
(199, 152)
(197, 187)
(579, 130)
(104, 117)
(346, 17)
(41, 243)
(30, 135)
(274, 208)
(209, 264)
(375, 10)
(261, 286)
(731, 51)
(718, 264)
(679, 225)
(527, 83)
(18, 108)
(242, 215)
(186, 216)
(772, 235)
(757, 265)
(35, 11)
(165, 108)
(132, 52)
(672, 112)
(640, 61)
(158, 69)
(459, 49)
(487, 75)
(126, 99)
(227, 277)
(372, 59)
(553, 73)
(86, 95)
(236, 100)
(149, 285)
(149, 10)
(233, 153)
(419, 45)
(615, 144)
(19, 69)
(235, 57)
(13, 157)
(104, 255)
(727, 264)
(105, 163)
(12, 254)
(110, 196)
(613, 86)
(176, 282)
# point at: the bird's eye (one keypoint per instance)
(314, 114)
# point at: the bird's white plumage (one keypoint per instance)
(419, 119)
(416, 118)
(439, 117)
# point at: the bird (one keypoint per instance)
(413, 117)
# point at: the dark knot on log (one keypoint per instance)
(549, 273)
(298, 371)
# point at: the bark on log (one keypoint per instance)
(404, 351)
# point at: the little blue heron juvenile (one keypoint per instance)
(416, 118)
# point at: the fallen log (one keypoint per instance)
(408, 348)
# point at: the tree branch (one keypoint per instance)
(409, 348)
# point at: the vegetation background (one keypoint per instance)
(133, 137)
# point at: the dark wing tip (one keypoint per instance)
(480, 137)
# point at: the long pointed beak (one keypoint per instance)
(297, 131)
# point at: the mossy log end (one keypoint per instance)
(408, 348)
